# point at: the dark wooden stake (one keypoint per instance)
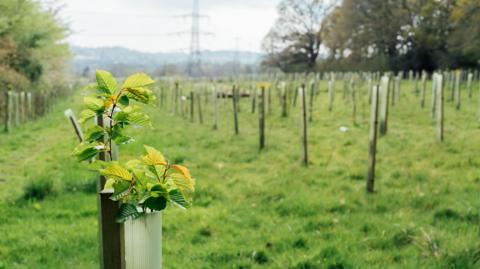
(440, 110)
(199, 104)
(235, 109)
(261, 118)
(112, 243)
(304, 128)
(192, 107)
(372, 149)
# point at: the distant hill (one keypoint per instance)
(124, 60)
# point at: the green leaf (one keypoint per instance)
(124, 100)
(86, 151)
(156, 203)
(126, 212)
(123, 140)
(139, 119)
(137, 81)
(106, 81)
(142, 95)
(116, 171)
(121, 189)
(93, 103)
(86, 115)
(153, 157)
(177, 197)
(94, 134)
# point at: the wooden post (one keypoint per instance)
(440, 103)
(8, 110)
(78, 130)
(469, 85)
(331, 95)
(283, 90)
(30, 106)
(424, 89)
(354, 102)
(215, 108)
(269, 100)
(199, 104)
(192, 106)
(17, 108)
(254, 99)
(304, 128)
(457, 98)
(112, 244)
(311, 96)
(23, 107)
(175, 99)
(235, 110)
(372, 149)
(261, 118)
(384, 97)
(434, 97)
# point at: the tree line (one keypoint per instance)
(33, 54)
(323, 35)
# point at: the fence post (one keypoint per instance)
(372, 149)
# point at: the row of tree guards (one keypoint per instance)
(382, 91)
(17, 108)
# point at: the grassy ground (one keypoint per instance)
(264, 210)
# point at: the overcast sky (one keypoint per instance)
(150, 25)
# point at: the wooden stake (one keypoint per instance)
(261, 118)
(283, 90)
(304, 128)
(235, 110)
(215, 108)
(354, 102)
(78, 130)
(457, 98)
(192, 106)
(112, 243)
(372, 149)
(331, 95)
(199, 104)
(424, 89)
(384, 97)
(312, 95)
(469, 85)
(8, 110)
(440, 103)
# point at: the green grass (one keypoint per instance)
(265, 210)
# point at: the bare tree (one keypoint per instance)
(294, 41)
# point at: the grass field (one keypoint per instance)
(263, 210)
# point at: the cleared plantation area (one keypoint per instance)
(266, 210)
